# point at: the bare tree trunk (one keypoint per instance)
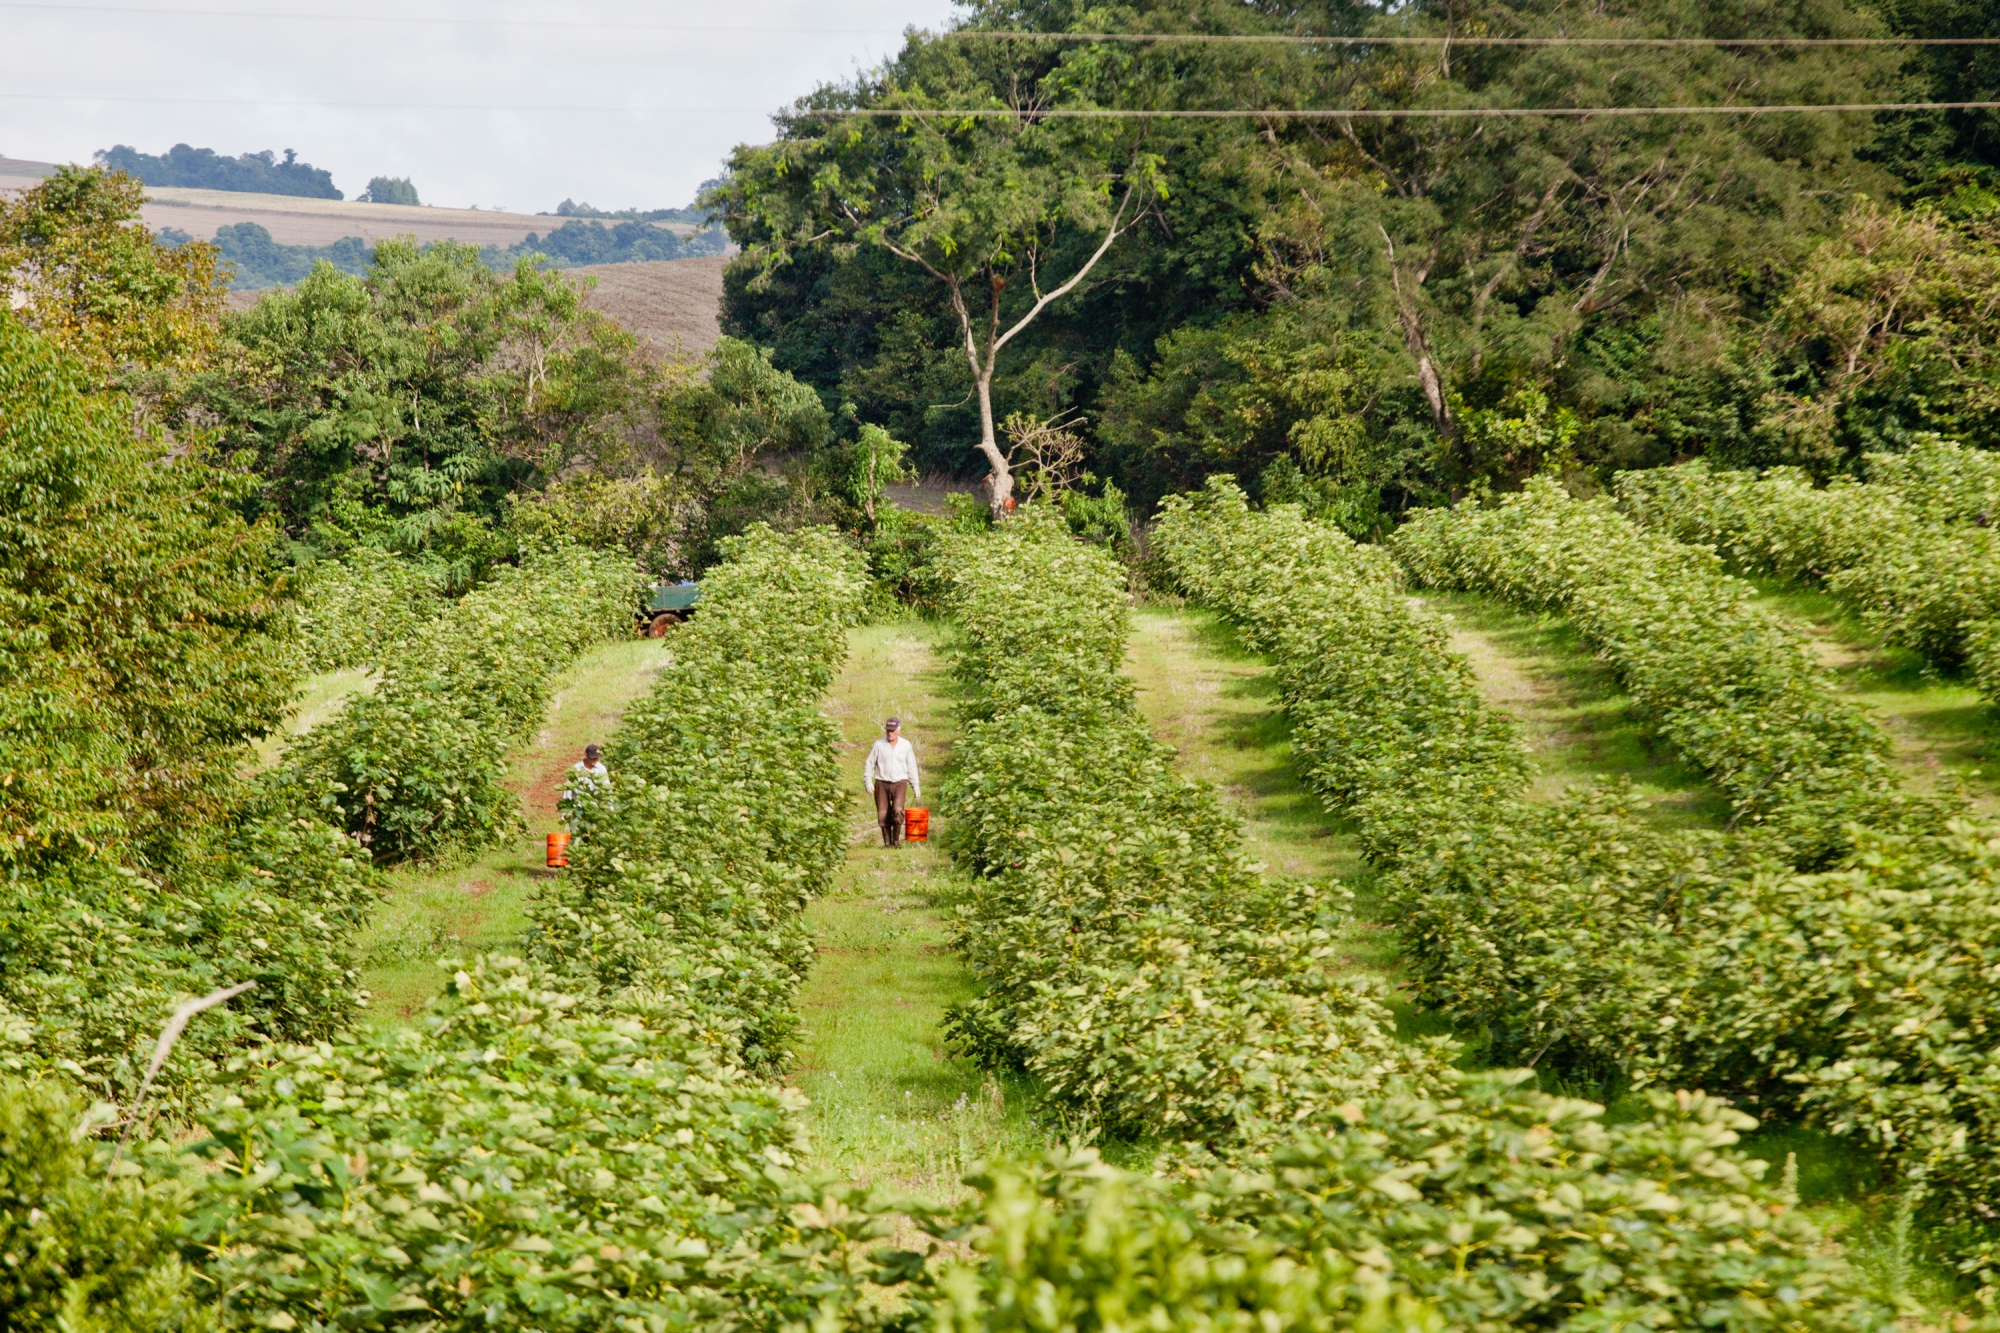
(1000, 485)
(1410, 317)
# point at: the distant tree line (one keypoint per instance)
(694, 212)
(580, 242)
(253, 261)
(206, 169)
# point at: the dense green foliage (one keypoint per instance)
(574, 1143)
(85, 1252)
(423, 393)
(728, 769)
(391, 190)
(1579, 934)
(149, 639)
(143, 635)
(523, 1158)
(1163, 986)
(1369, 316)
(1734, 689)
(255, 261)
(352, 609)
(414, 770)
(206, 169)
(1910, 548)
(138, 313)
(1495, 1209)
(1132, 955)
(438, 410)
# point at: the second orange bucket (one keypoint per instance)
(558, 849)
(917, 824)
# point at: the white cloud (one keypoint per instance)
(723, 84)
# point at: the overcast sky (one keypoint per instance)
(653, 111)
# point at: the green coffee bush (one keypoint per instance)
(1911, 548)
(353, 610)
(84, 1249)
(727, 808)
(414, 771)
(522, 1158)
(1132, 956)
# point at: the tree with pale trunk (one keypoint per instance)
(1009, 212)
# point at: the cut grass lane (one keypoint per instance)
(1216, 702)
(890, 1106)
(1939, 726)
(1580, 726)
(481, 905)
(321, 697)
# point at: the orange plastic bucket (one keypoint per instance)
(558, 849)
(917, 824)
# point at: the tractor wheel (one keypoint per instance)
(663, 622)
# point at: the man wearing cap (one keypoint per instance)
(891, 775)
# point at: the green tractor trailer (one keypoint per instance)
(667, 606)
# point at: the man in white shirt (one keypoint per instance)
(891, 776)
(588, 782)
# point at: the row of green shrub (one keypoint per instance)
(1322, 1173)
(354, 609)
(1577, 934)
(414, 771)
(728, 813)
(570, 1142)
(1910, 548)
(1133, 956)
(1735, 690)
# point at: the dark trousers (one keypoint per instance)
(890, 797)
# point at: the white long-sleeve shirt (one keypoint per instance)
(892, 762)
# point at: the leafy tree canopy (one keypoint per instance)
(143, 626)
(206, 169)
(107, 291)
(1393, 309)
(390, 190)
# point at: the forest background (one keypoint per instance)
(1369, 315)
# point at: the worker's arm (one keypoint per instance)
(868, 769)
(916, 787)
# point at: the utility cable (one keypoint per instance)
(1061, 113)
(996, 34)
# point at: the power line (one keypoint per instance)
(426, 21)
(1453, 40)
(391, 106)
(1392, 113)
(1001, 34)
(1057, 113)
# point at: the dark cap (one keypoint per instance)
(893, 724)
(591, 752)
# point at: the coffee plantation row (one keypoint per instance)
(1316, 1167)
(414, 770)
(1579, 933)
(96, 950)
(1732, 688)
(565, 1141)
(1910, 547)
